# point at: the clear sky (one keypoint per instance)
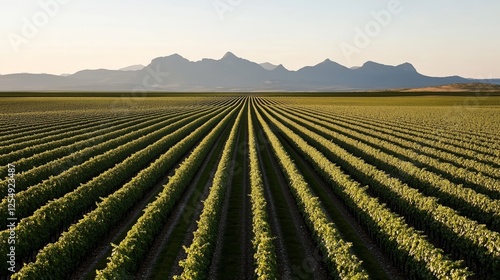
(443, 37)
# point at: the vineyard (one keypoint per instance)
(250, 187)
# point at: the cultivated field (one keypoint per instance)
(253, 186)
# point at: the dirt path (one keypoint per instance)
(283, 262)
(374, 261)
(233, 253)
(298, 255)
(97, 258)
(86, 269)
(166, 251)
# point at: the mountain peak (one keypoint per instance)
(407, 67)
(328, 65)
(371, 64)
(231, 73)
(229, 55)
(280, 68)
(375, 67)
(174, 57)
(268, 66)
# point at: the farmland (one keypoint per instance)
(263, 186)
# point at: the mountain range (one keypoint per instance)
(230, 73)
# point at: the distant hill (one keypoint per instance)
(133, 68)
(469, 87)
(231, 73)
(268, 66)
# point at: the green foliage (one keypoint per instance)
(51, 162)
(412, 143)
(128, 254)
(467, 236)
(342, 263)
(393, 166)
(264, 251)
(200, 252)
(56, 186)
(34, 231)
(74, 244)
(415, 254)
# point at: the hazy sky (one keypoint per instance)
(444, 37)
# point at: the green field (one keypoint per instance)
(267, 186)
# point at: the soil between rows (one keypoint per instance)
(298, 256)
(97, 258)
(166, 251)
(233, 257)
(374, 261)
